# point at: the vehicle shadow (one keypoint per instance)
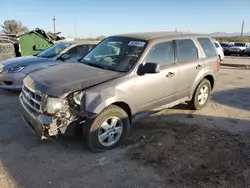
(190, 151)
(237, 98)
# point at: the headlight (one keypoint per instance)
(55, 105)
(14, 69)
(78, 97)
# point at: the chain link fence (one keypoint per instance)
(7, 51)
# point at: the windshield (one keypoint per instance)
(53, 50)
(115, 53)
(239, 44)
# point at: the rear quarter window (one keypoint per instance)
(208, 47)
(216, 45)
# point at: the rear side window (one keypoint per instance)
(187, 51)
(208, 47)
(162, 53)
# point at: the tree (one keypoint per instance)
(100, 37)
(14, 27)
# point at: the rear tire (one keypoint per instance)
(220, 58)
(102, 133)
(200, 99)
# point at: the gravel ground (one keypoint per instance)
(237, 60)
(174, 148)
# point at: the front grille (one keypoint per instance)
(32, 99)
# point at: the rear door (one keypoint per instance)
(210, 53)
(190, 65)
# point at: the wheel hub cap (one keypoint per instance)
(203, 95)
(110, 131)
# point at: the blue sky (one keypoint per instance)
(108, 17)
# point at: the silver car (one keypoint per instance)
(12, 71)
(238, 48)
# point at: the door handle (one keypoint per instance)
(170, 74)
(198, 67)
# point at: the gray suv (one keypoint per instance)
(124, 78)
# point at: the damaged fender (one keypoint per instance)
(94, 103)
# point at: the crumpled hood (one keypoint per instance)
(64, 78)
(19, 61)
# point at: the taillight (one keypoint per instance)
(218, 64)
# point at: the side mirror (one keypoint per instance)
(65, 56)
(150, 68)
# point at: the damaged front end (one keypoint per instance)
(49, 116)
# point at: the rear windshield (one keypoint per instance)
(224, 45)
(208, 47)
(217, 45)
(240, 44)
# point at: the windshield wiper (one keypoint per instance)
(93, 64)
(99, 66)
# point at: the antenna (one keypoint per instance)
(54, 24)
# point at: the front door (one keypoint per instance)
(155, 90)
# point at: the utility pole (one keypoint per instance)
(75, 30)
(242, 28)
(54, 24)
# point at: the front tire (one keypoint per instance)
(108, 130)
(201, 95)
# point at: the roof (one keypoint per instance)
(78, 42)
(84, 42)
(157, 35)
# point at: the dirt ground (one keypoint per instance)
(174, 148)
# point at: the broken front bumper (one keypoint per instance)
(37, 123)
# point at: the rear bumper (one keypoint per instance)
(12, 81)
(35, 122)
(235, 52)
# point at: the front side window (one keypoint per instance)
(73, 52)
(162, 53)
(53, 50)
(208, 47)
(187, 51)
(115, 53)
(78, 51)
